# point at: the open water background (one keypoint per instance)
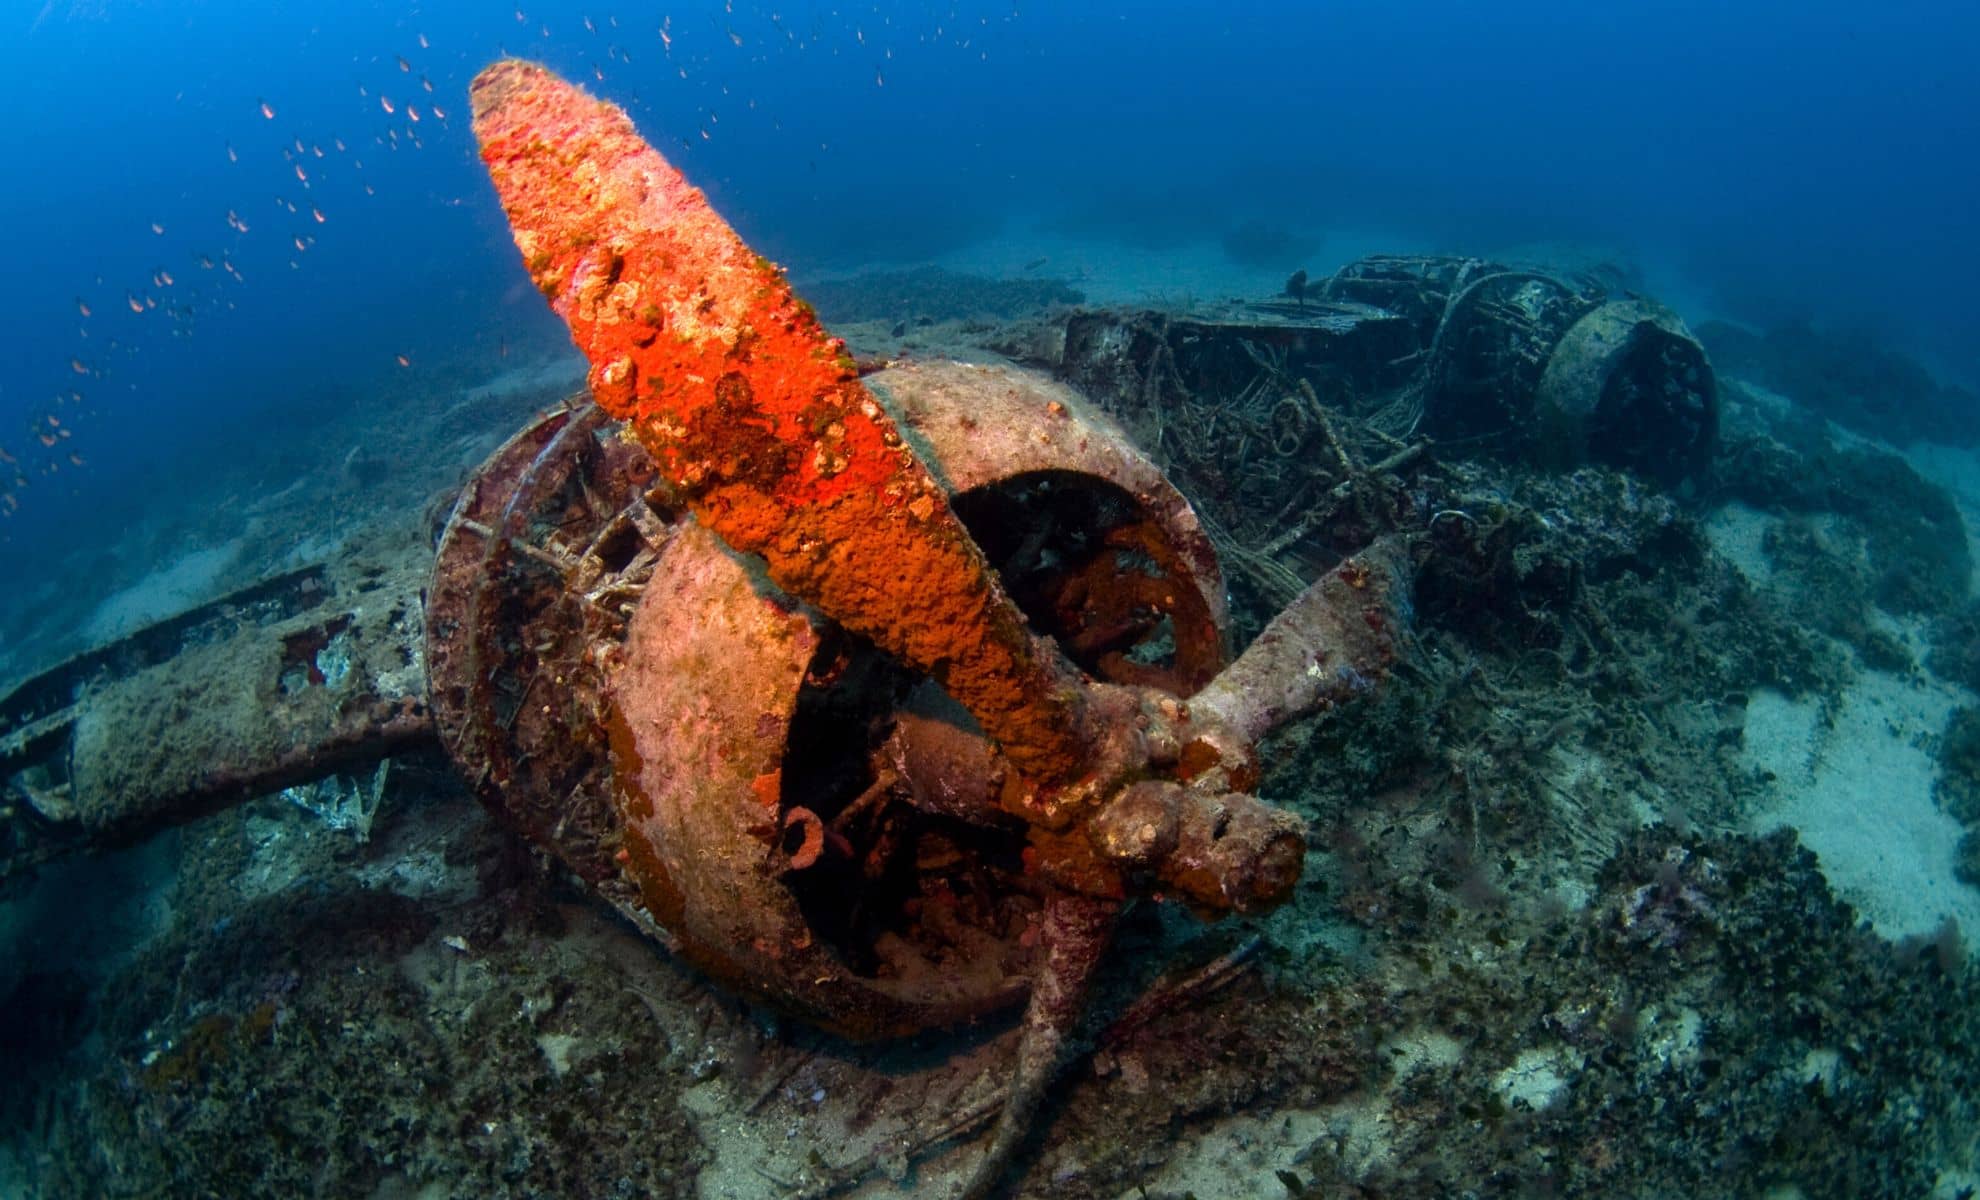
(1760, 161)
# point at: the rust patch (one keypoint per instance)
(758, 419)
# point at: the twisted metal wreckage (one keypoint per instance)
(876, 696)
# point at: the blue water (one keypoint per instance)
(1763, 160)
(228, 226)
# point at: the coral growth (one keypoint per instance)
(1849, 377)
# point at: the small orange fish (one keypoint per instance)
(403, 64)
(403, 360)
(385, 103)
(267, 110)
(426, 83)
(76, 365)
(300, 174)
(75, 458)
(164, 279)
(439, 114)
(137, 305)
(412, 114)
(318, 214)
(300, 247)
(81, 306)
(339, 143)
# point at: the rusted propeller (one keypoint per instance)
(761, 428)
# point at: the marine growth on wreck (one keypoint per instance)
(1445, 724)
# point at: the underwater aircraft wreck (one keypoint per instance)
(873, 691)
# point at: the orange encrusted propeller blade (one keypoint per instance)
(756, 417)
